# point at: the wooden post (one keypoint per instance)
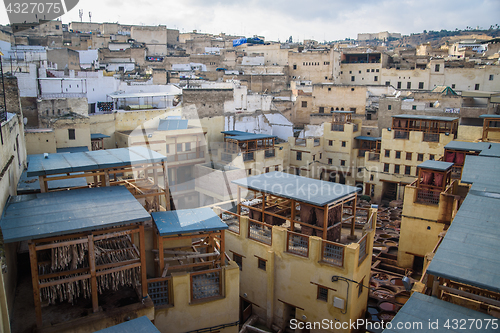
(239, 200)
(222, 247)
(142, 244)
(155, 246)
(96, 181)
(353, 220)
(325, 221)
(36, 283)
(263, 206)
(292, 223)
(93, 279)
(167, 189)
(106, 177)
(161, 261)
(43, 184)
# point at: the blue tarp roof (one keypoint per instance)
(138, 325)
(251, 136)
(493, 151)
(235, 132)
(490, 116)
(414, 116)
(435, 165)
(32, 185)
(483, 172)
(42, 215)
(368, 138)
(72, 149)
(172, 124)
(187, 221)
(467, 146)
(92, 160)
(421, 309)
(95, 136)
(312, 191)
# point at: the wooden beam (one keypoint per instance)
(93, 279)
(36, 285)
(466, 294)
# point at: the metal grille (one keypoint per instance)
(158, 291)
(428, 197)
(269, 153)
(226, 157)
(248, 156)
(205, 285)
(333, 254)
(260, 232)
(338, 127)
(355, 127)
(431, 137)
(232, 221)
(456, 172)
(298, 244)
(401, 135)
(362, 250)
(374, 157)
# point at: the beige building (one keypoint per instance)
(316, 65)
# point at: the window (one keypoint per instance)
(71, 133)
(431, 157)
(407, 170)
(267, 169)
(238, 260)
(330, 142)
(376, 70)
(387, 83)
(179, 147)
(491, 77)
(330, 161)
(389, 107)
(314, 157)
(350, 72)
(387, 153)
(360, 287)
(322, 294)
(408, 85)
(399, 85)
(187, 146)
(413, 107)
(408, 156)
(294, 66)
(297, 171)
(249, 172)
(261, 264)
(420, 157)
(343, 143)
(453, 86)
(352, 78)
(342, 162)
(321, 109)
(277, 168)
(168, 149)
(476, 87)
(352, 109)
(396, 168)
(368, 70)
(386, 167)
(375, 78)
(371, 177)
(436, 68)
(299, 156)
(352, 89)
(420, 85)
(329, 89)
(304, 104)
(398, 154)
(320, 155)
(57, 27)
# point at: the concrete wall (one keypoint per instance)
(40, 141)
(334, 97)
(207, 102)
(316, 66)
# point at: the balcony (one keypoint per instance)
(373, 156)
(269, 153)
(248, 156)
(337, 127)
(431, 137)
(403, 135)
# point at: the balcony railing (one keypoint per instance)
(431, 137)
(260, 232)
(226, 157)
(401, 135)
(270, 153)
(456, 172)
(355, 127)
(361, 153)
(297, 244)
(248, 156)
(362, 249)
(206, 284)
(337, 127)
(332, 253)
(374, 156)
(428, 196)
(159, 289)
(231, 219)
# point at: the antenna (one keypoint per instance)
(80, 13)
(90, 17)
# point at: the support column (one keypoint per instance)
(93, 278)
(142, 249)
(36, 284)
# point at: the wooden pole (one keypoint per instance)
(292, 218)
(43, 184)
(239, 200)
(160, 252)
(353, 220)
(93, 279)
(35, 282)
(166, 187)
(155, 247)
(222, 247)
(325, 221)
(142, 244)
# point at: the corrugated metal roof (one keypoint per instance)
(481, 170)
(368, 138)
(467, 146)
(493, 151)
(234, 132)
(420, 310)
(489, 116)
(251, 136)
(92, 160)
(336, 111)
(312, 191)
(138, 325)
(436, 165)
(72, 149)
(36, 216)
(95, 136)
(32, 185)
(187, 221)
(414, 116)
(172, 124)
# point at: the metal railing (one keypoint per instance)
(362, 249)
(231, 219)
(332, 253)
(374, 156)
(226, 157)
(248, 156)
(355, 127)
(431, 137)
(361, 153)
(159, 291)
(401, 135)
(456, 172)
(270, 153)
(338, 127)
(206, 284)
(297, 244)
(428, 197)
(260, 232)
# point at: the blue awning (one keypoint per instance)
(187, 221)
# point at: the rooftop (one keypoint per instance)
(172, 124)
(95, 136)
(467, 146)
(187, 221)
(368, 138)
(36, 216)
(496, 116)
(72, 149)
(312, 191)
(138, 325)
(436, 165)
(414, 116)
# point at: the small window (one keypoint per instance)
(371, 177)
(436, 68)
(431, 157)
(359, 72)
(407, 170)
(386, 167)
(188, 146)
(352, 78)
(342, 162)
(321, 109)
(398, 154)
(71, 134)
(320, 155)
(267, 169)
(375, 78)
(277, 168)
(330, 161)
(399, 85)
(352, 89)
(304, 104)
(491, 77)
(387, 83)
(168, 149)
(396, 168)
(360, 287)
(294, 66)
(476, 87)
(376, 70)
(249, 172)
(413, 107)
(368, 70)
(238, 260)
(179, 147)
(322, 294)
(330, 142)
(329, 89)
(453, 86)
(408, 85)
(350, 72)
(387, 153)
(314, 157)
(299, 156)
(420, 85)
(408, 156)
(389, 107)
(57, 27)
(343, 143)
(261, 264)
(420, 157)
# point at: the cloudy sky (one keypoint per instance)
(279, 19)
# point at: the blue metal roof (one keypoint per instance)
(42, 215)
(482, 171)
(235, 132)
(251, 136)
(172, 124)
(414, 116)
(368, 138)
(312, 191)
(138, 325)
(92, 160)
(187, 221)
(421, 310)
(467, 146)
(72, 149)
(32, 185)
(436, 165)
(493, 151)
(489, 116)
(95, 136)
